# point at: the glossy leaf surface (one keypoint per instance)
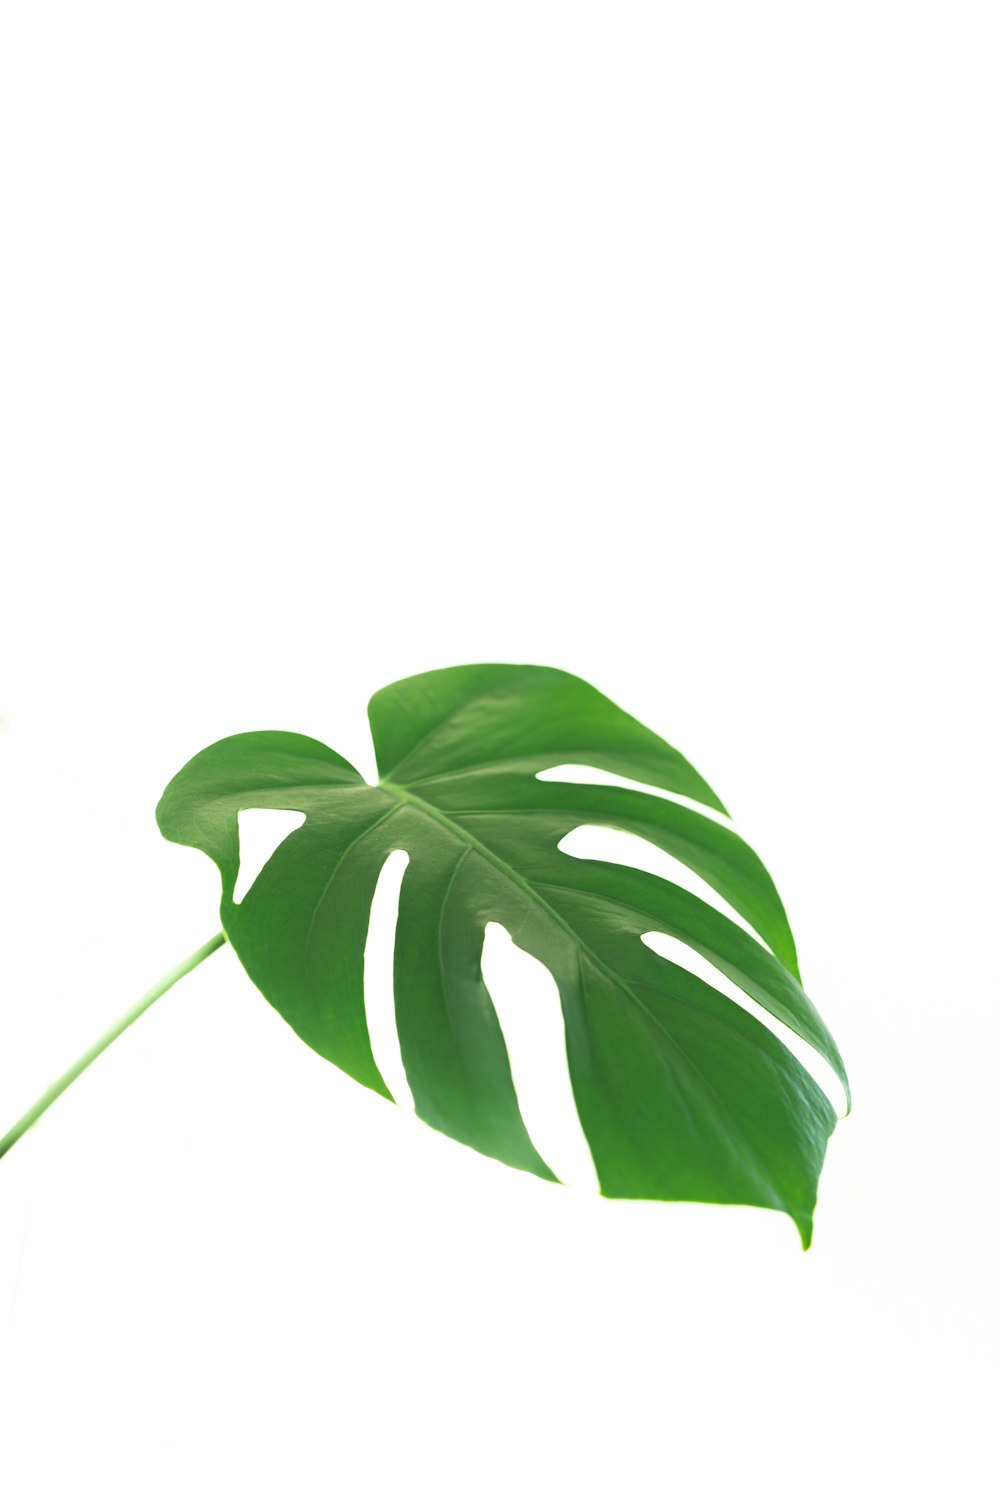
(682, 1094)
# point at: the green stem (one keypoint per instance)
(103, 1042)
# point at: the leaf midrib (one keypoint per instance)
(510, 873)
(583, 948)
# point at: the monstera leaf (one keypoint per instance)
(682, 1093)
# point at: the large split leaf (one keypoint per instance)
(682, 1093)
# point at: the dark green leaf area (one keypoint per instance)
(682, 1093)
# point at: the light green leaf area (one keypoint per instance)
(682, 1093)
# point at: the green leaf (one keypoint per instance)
(682, 1093)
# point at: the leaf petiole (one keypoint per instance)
(103, 1042)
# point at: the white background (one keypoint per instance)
(345, 341)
